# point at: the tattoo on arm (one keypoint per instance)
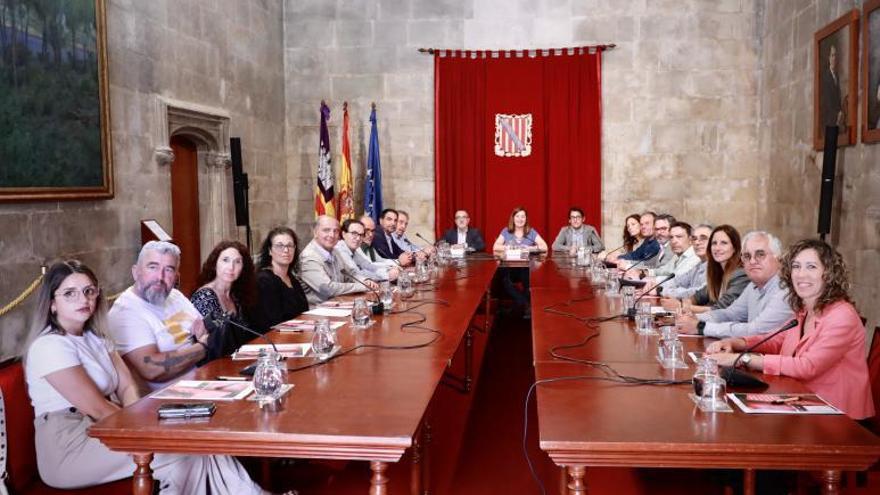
(169, 361)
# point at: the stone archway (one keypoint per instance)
(209, 129)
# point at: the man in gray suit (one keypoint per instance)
(577, 234)
(321, 269)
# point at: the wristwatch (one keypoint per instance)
(746, 359)
(701, 325)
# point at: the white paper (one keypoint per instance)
(513, 255)
(304, 325)
(456, 252)
(329, 312)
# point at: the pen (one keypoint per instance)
(232, 378)
(786, 400)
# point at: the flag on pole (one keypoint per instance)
(373, 188)
(346, 194)
(324, 186)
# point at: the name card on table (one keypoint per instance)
(513, 255)
(456, 252)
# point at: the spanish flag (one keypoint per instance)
(346, 192)
(324, 204)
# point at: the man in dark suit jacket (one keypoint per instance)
(384, 244)
(831, 106)
(472, 237)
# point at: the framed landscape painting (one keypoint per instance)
(835, 83)
(54, 101)
(871, 72)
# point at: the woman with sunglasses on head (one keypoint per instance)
(826, 350)
(75, 378)
(227, 294)
(725, 277)
(280, 294)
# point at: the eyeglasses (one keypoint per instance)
(283, 247)
(70, 295)
(356, 234)
(759, 256)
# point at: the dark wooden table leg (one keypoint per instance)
(563, 481)
(416, 467)
(426, 458)
(488, 310)
(142, 481)
(748, 482)
(379, 481)
(831, 482)
(468, 359)
(576, 483)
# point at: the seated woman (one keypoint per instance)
(826, 350)
(632, 233)
(75, 378)
(228, 291)
(725, 277)
(577, 234)
(280, 295)
(519, 233)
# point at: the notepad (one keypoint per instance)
(329, 312)
(252, 351)
(205, 390)
(304, 325)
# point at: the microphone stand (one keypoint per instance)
(250, 369)
(631, 312)
(739, 378)
(378, 307)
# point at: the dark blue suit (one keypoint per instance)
(380, 244)
(473, 238)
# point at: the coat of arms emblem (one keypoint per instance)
(513, 134)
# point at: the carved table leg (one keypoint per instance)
(426, 458)
(142, 481)
(748, 482)
(416, 465)
(830, 482)
(379, 481)
(577, 485)
(563, 481)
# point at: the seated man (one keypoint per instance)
(687, 284)
(355, 260)
(577, 234)
(662, 225)
(649, 249)
(399, 236)
(384, 243)
(322, 270)
(762, 306)
(684, 258)
(156, 329)
(464, 236)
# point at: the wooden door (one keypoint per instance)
(185, 210)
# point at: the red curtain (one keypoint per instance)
(562, 92)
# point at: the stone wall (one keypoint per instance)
(794, 169)
(223, 54)
(679, 93)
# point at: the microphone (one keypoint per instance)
(378, 308)
(422, 238)
(739, 378)
(631, 312)
(219, 318)
(615, 249)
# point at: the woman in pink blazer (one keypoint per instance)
(826, 350)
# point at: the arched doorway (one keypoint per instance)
(185, 210)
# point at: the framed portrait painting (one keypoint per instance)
(54, 101)
(871, 72)
(835, 82)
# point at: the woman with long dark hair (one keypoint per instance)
(725, 277)
(75, 377)
(826, 350)
(281, 296)
(227, 292)
(632, 235)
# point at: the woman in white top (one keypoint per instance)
(75, 378)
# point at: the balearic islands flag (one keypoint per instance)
(324, 187)
(346, 193)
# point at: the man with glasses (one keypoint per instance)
(322, 269)
(400, 238)
(762, 306)
(684, 257)
(156, 329)
(462, 235)
(687, 284)
(577, 234)
(355, 260)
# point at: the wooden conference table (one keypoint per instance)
(587, 422)
(369, 405)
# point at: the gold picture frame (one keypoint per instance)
(835, 83)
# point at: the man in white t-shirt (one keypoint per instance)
(158, 332)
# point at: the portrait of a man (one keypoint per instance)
(871, 73)
(836, 80)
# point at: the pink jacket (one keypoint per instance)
(830, 361)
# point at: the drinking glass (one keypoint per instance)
(360, 313)
(706, 367)
(405, 285)
(270, 376)
(714, 396)
(324, 339)
(386, 295)
(644, 308)
(645, 324)
(629, 296)
(612, 284)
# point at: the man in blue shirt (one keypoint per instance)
(650, 248)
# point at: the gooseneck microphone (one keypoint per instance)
(422, 238)
(220, 318)
(631, 312)
(618, 248)
(378, 307)
(739, 378)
